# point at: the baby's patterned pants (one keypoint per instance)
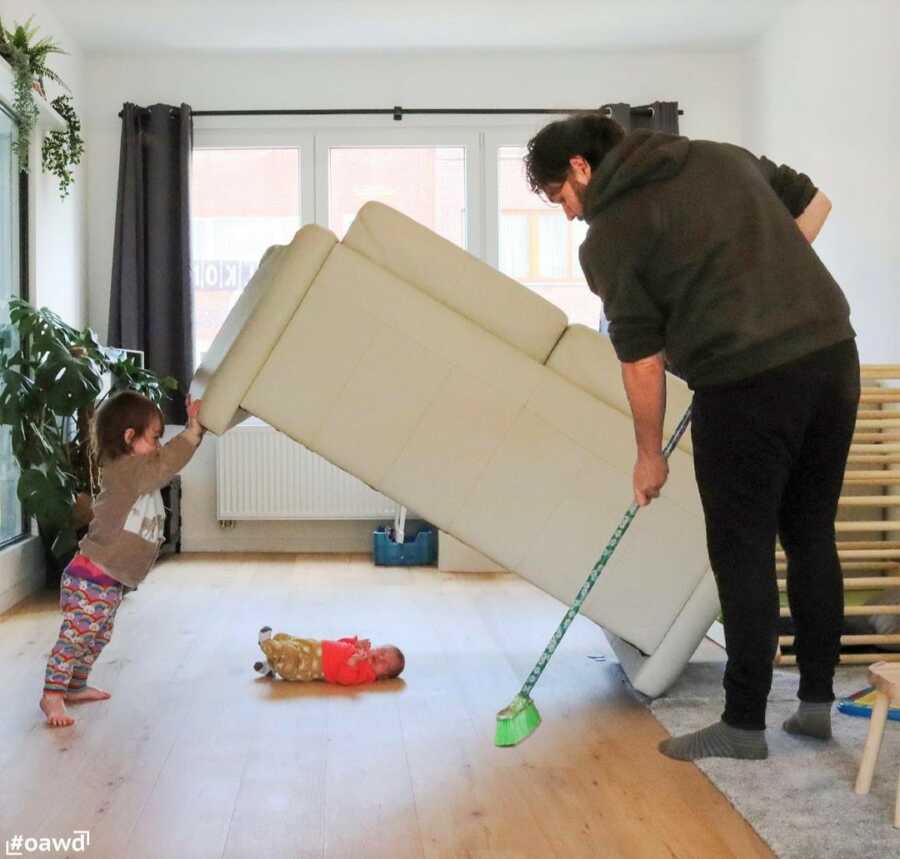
(89, 610)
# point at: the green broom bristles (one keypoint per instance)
(517, 722)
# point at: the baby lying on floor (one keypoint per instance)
(347, 661)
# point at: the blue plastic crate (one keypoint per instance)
(418, 551)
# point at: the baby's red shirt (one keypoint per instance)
(335, 668)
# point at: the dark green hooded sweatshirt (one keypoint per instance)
(694, 250)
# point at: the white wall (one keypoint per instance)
(824, 84)
(709, 86)
(58, 262)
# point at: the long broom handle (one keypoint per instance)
(614, 541)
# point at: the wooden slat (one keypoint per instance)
(857, 566)
(858, 554)
(879, 395)
(880, 371)
(852, 640)
(878, 423)
(875, 437)
(873, 459)
(859, 583)
(857, 610)
(848, 658)
(869, 501)
(873, 414)
(867, 544)
(875, 525)
(875, 448)
(882, 477)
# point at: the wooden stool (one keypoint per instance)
(885, 677)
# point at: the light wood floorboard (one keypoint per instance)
(197, 756)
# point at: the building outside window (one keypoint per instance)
(538, 246)
(242, 201)
(428, 183)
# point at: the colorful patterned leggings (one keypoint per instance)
(89, 610)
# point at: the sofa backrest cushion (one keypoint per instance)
(587, 359)
(457, 279)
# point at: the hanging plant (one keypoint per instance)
(28, 59)
(62, 150)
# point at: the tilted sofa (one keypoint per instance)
(465, 396)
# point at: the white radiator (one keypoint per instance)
(263, 474)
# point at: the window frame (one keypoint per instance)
(20, 244)
(413, 138)
(493, 140)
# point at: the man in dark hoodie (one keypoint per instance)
(701, 254)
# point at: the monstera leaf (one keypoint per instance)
(14, 388)
(72, 383)
(46, 496)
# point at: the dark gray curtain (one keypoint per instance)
(660, 116)
(151, 305)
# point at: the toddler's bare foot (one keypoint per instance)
(88, 693)
(55, 710)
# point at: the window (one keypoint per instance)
(243, 200)
(11, 519)
(538, 246)
(428, 183)
(467, 186)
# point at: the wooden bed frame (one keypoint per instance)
(871, 560)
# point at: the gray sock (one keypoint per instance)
(717, 741)
(812, 719)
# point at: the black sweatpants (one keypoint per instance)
(769, 455)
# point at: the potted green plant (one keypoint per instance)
(52, 379)
(28, 58)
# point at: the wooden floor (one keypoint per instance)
(196, 756)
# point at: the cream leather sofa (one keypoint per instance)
(465, 396)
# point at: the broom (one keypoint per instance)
(519, 720)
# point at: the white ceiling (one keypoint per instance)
(253, 26)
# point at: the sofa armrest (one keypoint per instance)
(255, 325)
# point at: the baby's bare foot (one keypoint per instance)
(55, 710)
(88, 693)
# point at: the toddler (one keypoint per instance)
(121, 544)
(347, 661)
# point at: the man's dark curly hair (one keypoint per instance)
(590, 135)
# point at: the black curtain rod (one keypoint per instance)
(399, 112)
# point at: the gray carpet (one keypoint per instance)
(801, 799)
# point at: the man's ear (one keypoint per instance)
(129, 436)
(581, 170)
